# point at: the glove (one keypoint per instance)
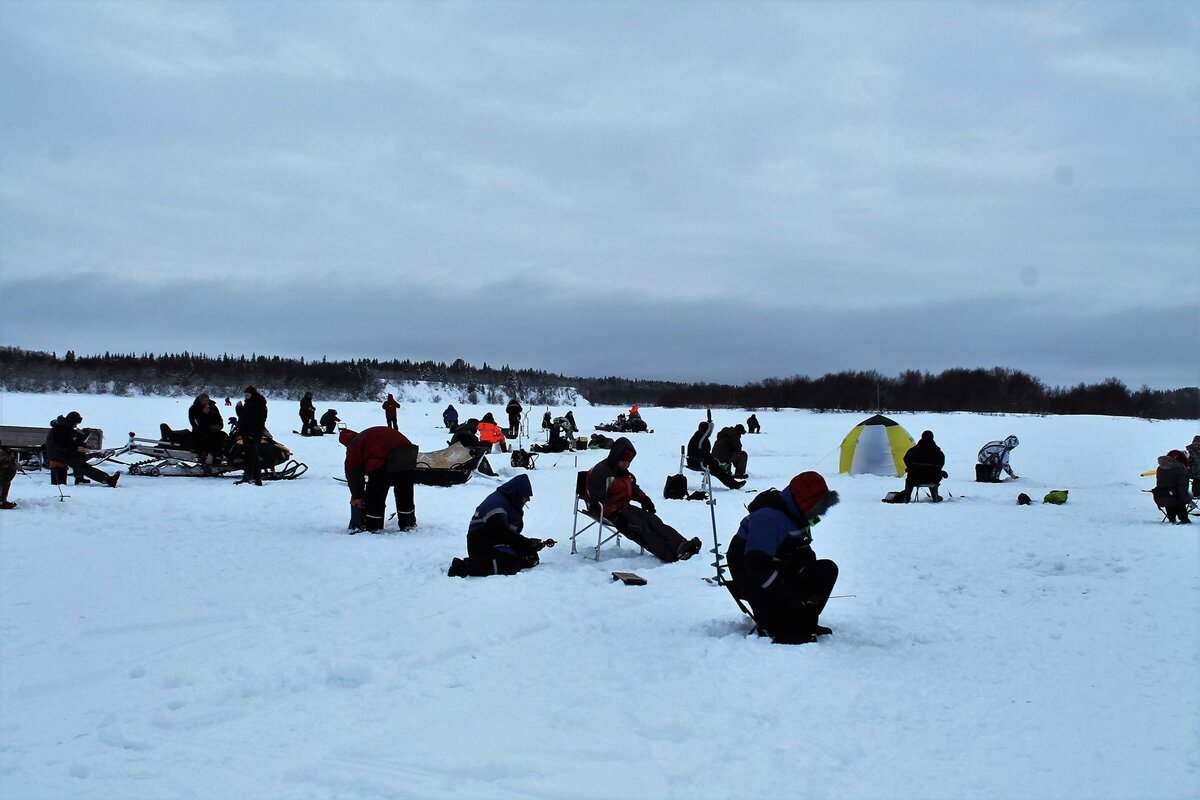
(648, 504)
(356, 502)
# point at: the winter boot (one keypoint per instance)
(458, 569)
(407, 520)
(112, 480)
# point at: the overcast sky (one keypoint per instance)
(722, 191)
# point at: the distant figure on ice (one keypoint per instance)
(308, 416)
(546, 421)
(572, 427)
(612, 487)
(635, 423)
(68, 446)
(450, 418)
(490, 434)
(752, 425)
(389, 412)
(773, 565)
(495, 545)
(329, 420)
(513, 409)
(251, 425)
(923, 464)
(377, 459)
(993, 458)
(8, 471)
(1171, 487)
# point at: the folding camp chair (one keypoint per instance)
(1166, 496)
(605, 531)
(929, 489)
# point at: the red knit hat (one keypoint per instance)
(807, 489)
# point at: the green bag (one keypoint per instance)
(1055, 496)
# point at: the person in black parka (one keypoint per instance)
(252, 422)
(923, 464)
(773, 565)
(727, 450)
(513, 409)
(68, 446)
(699, 455)
(308, 416)
(495, 545)
(752, 424)
(329, 420)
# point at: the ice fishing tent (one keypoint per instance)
(875, 446)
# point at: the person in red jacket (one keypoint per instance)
(489, 432)
(612, 487)
(376, 459)
(390, 407)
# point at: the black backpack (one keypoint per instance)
(675, 487)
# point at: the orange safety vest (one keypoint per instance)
(489, 433)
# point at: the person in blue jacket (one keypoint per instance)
(495, 545)
(773, 565)
(450, 418)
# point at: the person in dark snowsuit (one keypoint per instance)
(495, 545)
(752, 425)
(699, 455)
(1193, 465)
(329, 420)
(8, 471)
(308, 416)
(66, 445)
(390, 407)
(727, 450)
(513, 409)
(450, 418)
(612, 487)
(1171, 487)
(377, 459)
(251, 424)
(923, 464)
(773, 565)
(209, 439)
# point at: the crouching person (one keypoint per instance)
(495, 545)
(773, 565)
(377, 459)
(612, 487)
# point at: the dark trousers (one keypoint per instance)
(251, 470)
(485, 557)
(714, 468)
(647, 530)
(1177, 513)
(911, 483)
(391, 423)
(81, 469)
(514, 423)
(375, 499)
(789, 611)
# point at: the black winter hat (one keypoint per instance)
(73, 417)
(1024, 499)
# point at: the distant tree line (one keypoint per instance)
(996, 390)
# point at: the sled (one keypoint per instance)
(449, 466)
(25, 443)
(629, 578)
(166, 459)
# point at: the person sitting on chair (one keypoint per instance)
(68, 446)
(728, 452)
(329, 420)
(450, 418)
(699, 455)
(773, 565)
(611, 487)
(993, 458)
(1193, 465)
(376, 459)
(1171, 487)
(923, 464)
(752, 425)
(8, 471)
(495, 545)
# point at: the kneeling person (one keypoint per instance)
(611, 487)
(495, 545)
(772, 561)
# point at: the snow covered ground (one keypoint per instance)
(186, 637)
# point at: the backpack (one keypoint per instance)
(675, 487)
(1055, 496)
(522, 459)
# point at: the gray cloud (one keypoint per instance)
(715, 166)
